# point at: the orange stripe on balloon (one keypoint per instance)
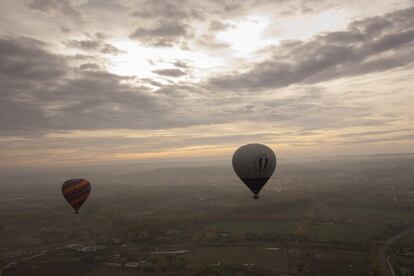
(82, 198)
(79, 186)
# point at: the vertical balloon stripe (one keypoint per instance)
(262, 163)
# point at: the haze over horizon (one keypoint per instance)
(84, 82)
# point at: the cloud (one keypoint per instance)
(228, 139)
(165, 23)
(41, 92)
(165, 34)
(48, 98)
(181, 64)
(397, 137)
(367, 46)
(25, 59)
(170, 72)
(89, 66)
(95, 43)
(216, 25)
(210, 42)
(165, 29)
(55, 7)
(166, 9)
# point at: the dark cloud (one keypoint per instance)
(110, 49)
(216, 25)
(95, 43)
(170, 72)
(211, 43)
(49, 95)
(89, 66)
(26, 59)
(65, 29)
(55, 7)
(181, 64)
(308, 109)
(153, 82)
(165, 34)
(87, 45)
(368, 46)
(372, 133)
(161, 9)
(166, 9)
(377, 139)
(41, 92)
(190, 11)
(228, 139)
(165, 29)
(165, 23)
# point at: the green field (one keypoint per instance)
(326, 232)
(345, 232)
(407, 241)
(389, 213)
(255, 227)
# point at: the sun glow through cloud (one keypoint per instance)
(141, 61)
(246, 36)
(303, 27)
(200, 78)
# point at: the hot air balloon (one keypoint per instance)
(76, 191)
(254, 164)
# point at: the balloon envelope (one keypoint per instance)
(254, 164)
(76, 191)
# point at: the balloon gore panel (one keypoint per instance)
(254, 164)
(255, 184)
(76, 191)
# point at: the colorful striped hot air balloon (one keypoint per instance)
(76, 191)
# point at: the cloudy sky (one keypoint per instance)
(89, 81)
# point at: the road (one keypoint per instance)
(38, 254)
(6, 267)
(384, 260)
(43, 252)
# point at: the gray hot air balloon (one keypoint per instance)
(254, 164)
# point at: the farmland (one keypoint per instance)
(319, 221)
